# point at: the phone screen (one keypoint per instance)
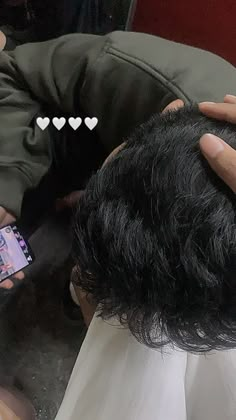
(15, 252)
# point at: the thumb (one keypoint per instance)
(221, 157)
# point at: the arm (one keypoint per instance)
(32, 76)
(73, 73)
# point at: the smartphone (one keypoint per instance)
(15, 252)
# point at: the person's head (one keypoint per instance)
(155, 236)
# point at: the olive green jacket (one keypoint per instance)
(121, 78)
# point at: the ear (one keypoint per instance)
(113, 153)
(178, 103)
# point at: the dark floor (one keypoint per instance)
(38, 343)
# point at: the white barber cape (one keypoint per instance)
(116, 378)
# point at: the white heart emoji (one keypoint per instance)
(59, 122)
(91, 122)
(43, 123)
(75, 123)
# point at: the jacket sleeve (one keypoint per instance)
(33, 78)
(88, 73)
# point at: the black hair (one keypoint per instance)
(155, 237)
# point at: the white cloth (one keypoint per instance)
(116, 378)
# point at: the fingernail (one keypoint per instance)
(230, 96)
(211, 145)
(207, 103)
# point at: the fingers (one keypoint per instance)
(6, 284)
(19, 276)
(221, 111)
(9, 283)
(221, 157)
(8, 219)
(230, 99)
(5, 217)
(178, 103)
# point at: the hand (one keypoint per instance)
(5, 219)
(221, 157)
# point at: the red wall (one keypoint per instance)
(208, 24)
